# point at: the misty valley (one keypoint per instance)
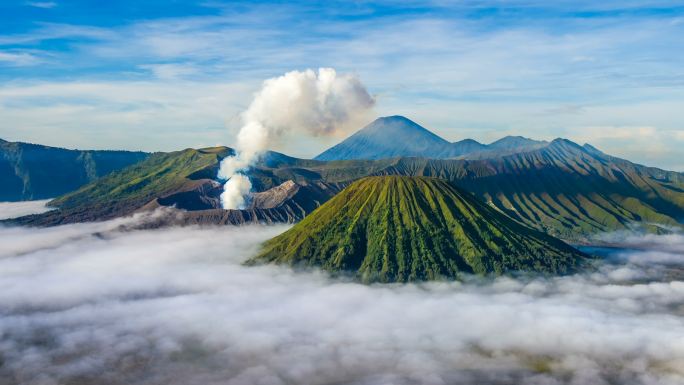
(101, 303)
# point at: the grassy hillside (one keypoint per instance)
(125, 191)
(29, 171)
(567, 191)
(394, 228)
(564, 189)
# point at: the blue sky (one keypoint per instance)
(165, 75)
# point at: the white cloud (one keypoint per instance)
(42, 4)
(18, 209)
(148, 115)
(314, 103)
(171, 71)
(18, 58)
(641, 144)
(53, 31)
(95, 304)
(601, 133)
(679, 134)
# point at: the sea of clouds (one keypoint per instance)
(100, 303)
(17, 209)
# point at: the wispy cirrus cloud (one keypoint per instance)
(46, 32)
(170, 71)
(42, 4)
(18, 58)
(122, 114)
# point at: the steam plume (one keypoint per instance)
(314, 103)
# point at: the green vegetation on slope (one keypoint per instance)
(127, 190)
(402, 229)
(563, 189)
(30, 171)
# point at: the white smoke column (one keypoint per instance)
(234, 191)
(319, 103)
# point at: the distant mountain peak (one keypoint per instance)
(397, 123)
(386, 137)
(396, 118)
(398, 136)
(469, 141)
(511, 142)
(566, 143)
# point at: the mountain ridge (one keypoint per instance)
(562, 188)
(397, 136)
(511, 142)
(33, 171)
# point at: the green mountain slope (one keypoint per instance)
(564, 189)
(123, 192)
(184, 180)
(30, 171)
(391, 229)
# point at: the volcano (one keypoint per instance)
(401, 229)
(387, 137)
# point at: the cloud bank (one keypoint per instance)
(17, 209)
(96, 304)
(319, 103)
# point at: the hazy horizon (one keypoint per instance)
(332, 144)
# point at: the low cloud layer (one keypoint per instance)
(17, 209)
(95, 304)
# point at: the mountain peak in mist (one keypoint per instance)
(399, 229)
